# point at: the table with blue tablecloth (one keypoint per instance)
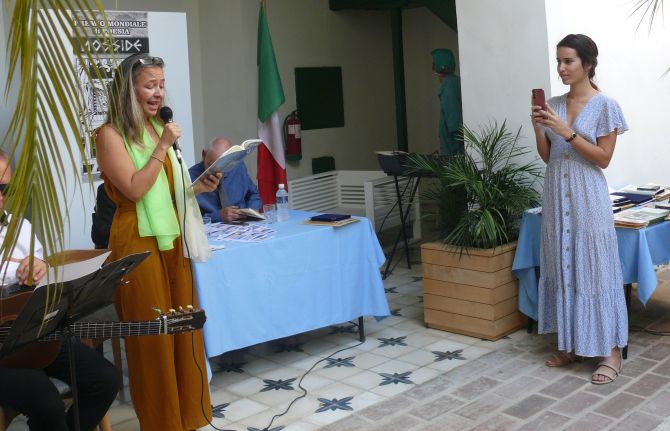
(639, 250)
(306, 277)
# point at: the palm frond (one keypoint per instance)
(47, 112)
(647, 10)
(496, 186)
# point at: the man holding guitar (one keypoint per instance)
(29, 391)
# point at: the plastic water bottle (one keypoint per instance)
(282, 204)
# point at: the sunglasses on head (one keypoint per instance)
(149, 61)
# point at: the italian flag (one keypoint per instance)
(271, 162)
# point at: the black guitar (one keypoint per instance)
(42, 353)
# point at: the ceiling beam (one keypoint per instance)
(444, 9)
(368, 4)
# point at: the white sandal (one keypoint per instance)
(605, 369)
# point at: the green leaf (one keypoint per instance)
(495, 187)
(47, 112)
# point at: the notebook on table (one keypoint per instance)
(330, 217)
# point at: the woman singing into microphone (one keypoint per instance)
(154, 203)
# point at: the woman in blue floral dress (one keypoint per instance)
(581, 287)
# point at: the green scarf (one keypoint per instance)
(155, 211)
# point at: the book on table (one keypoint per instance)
(334, 220)
(644, 193)
(330, 217)
(640, 217)
(230, 158)
(618, 200)
(252, 213)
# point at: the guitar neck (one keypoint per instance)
(104, 330)
(111, 329)
(172, 323)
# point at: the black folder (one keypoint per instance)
(330, 217)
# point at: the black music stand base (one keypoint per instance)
(77, 299)
(70, 340)
(404, 216)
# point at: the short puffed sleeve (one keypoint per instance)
(611, 118)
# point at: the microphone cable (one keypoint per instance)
(188, 254)
(195, 359)
(304, 391)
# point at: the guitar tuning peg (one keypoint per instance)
(189, 307)
(181, 309)
(173, 311)
(157, 310)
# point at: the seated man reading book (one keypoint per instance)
(29, 391)
(235, 191)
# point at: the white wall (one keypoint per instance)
(630, 69)
(305, 33)
(190, 8)
(503, 54)
(222, 53)
(507, 48)
(222, 60)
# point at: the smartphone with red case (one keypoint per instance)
(538, 98)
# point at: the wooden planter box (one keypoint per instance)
(472, 294)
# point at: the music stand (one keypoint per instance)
(404, 218)
(78, 298)
(394, 163)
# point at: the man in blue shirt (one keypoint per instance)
(235, 191)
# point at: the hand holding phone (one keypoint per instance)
(538, 98)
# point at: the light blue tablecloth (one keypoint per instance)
(639, 251)
(305, 278)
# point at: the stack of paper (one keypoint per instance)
(637, 218)
(252, 232)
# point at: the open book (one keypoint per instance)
(73, 264)
(230, 158)
(252, 213)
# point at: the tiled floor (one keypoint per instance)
(398, 354)
(512, 389)
(408, 377)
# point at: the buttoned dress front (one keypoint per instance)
(581, 285)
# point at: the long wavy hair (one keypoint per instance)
(125, 112)
(587, 51)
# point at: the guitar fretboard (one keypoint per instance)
(113, 329)
(104, 330)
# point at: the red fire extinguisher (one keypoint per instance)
(293, 150)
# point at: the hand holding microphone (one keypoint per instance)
(171, 132)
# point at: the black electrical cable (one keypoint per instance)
(202, 387)
(304, 391)
(188, 254)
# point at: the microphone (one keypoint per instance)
(166, 115)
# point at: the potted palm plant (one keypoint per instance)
(468, 283)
